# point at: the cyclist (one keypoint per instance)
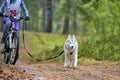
(12, 8)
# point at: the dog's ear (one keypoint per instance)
(74, 37)
(69, 36)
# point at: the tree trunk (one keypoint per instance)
(66, 25)
(43, 20)
(49, 16)
(74, 12)
(74, 23)
(43, 4)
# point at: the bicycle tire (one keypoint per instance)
(15, 50)
(6, 58)
(6, 53)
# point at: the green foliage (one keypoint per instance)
(94, 48)
(100, 48)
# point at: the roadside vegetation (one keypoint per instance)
(91, 48)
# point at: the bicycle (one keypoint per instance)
(11, 47)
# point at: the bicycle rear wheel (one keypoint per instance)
(15, 48)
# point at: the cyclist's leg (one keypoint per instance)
(7, 24)
(17, 25)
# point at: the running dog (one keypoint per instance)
(71, 51)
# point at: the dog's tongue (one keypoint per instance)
(71, 50)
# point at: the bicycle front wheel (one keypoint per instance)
(15, 48)
(6, 53)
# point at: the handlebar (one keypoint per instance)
(13, 17)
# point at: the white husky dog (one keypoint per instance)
(71, 51)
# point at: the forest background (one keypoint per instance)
(96, 24)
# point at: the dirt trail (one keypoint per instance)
(56, 71)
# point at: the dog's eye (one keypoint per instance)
(67, 41)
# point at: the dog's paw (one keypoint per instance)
(65, 65)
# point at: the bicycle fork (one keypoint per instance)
(10, 40)
(10, 36)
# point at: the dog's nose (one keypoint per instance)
(71, 47)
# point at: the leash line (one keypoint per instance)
(51, 57)
(23, 38)
(36, 59)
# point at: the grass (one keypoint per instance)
(43, 45)
(91, 49)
